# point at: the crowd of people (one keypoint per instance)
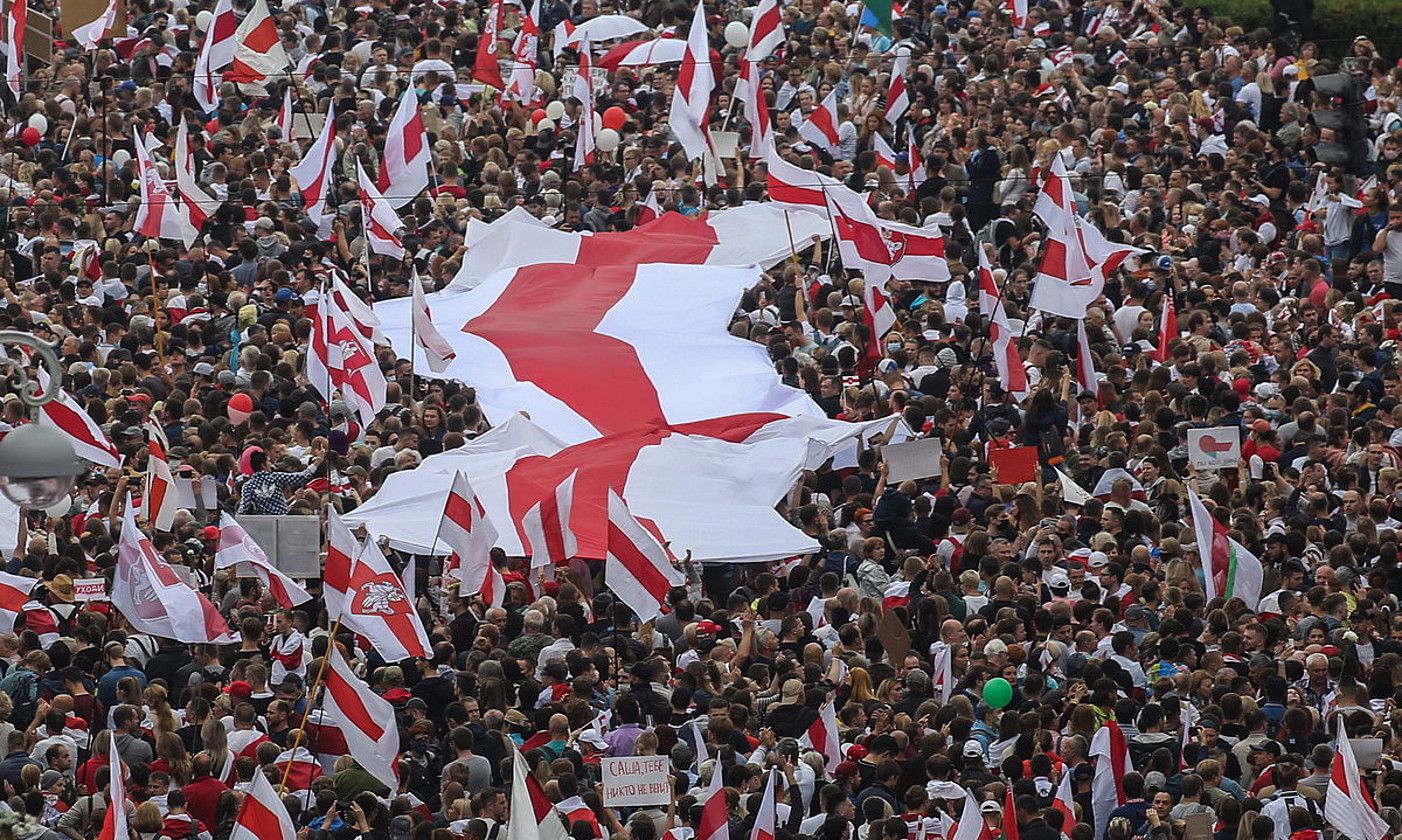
(1275, 236)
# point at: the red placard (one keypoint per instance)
(1014, 466)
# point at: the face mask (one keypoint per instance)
(893, 346)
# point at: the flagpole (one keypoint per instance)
(793, 251)
(312, 702)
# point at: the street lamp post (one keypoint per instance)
(37, 464)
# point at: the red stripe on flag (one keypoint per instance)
(459, 511)
(259, 819)
(621, 546)
(348, 700)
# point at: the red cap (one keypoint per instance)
(239, 688)
(707, 627)
(210, 533)
(140, 398)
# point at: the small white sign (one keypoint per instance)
(636, 781)
(913, 459)
(90, 589)
(1218, 448)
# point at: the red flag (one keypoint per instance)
(1010, 826)
(1168, 328)
(487, 68)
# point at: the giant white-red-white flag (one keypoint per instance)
(691, 96)
(766, 31)
(65, 414)
(237, 546)
(470, 536)
(533, 815)
(1348, 806)
(342, 356)
(369, 599)
(315, 171)
(380, 222)
(525, 55)
(583, 90)
(637, 567)
(597, 326)
(155, 600)
(364, 718)
(262, 815)
(897, 97)
(1111, 751)
(158, 495)
(159, 215)
(258, 52)
(734, 236)
(715, 815)
(14, 594)
(216, 53)
(546, 526)
(1000, 334)
(436, 348)
(404, 171)
(16, 19)
(114, 824)
(195, 203)
(820, 127)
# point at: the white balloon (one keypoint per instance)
(555, 110)
(39, 123)
(737, 34)
(607, 140)
(120, 158)
(546, 124)
(598, 123)
(60, 507)
(203, 20)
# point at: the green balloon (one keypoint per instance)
(997, 693)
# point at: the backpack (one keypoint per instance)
(22, 686)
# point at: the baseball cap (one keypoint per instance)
(707, 628)
(990, 807)
(203, 369)
(973, 749)
(416, 703)
(1098, 560)
(286, 294)
(239, 688)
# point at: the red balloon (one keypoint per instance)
(240, 406)
(615, 117)
(537, 115)
(30, 136)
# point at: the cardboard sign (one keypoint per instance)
(598, 76)
(185, 497)
(913, 459)
(895, 638)
(292, 543)
(1014, 466)
(1218, 448)
(636, 781)
(90, 589)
